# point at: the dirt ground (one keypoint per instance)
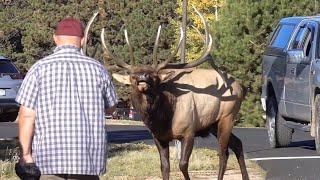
(229, 175)
(207, 175)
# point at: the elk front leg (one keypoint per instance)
(186, 150)
(163, 148)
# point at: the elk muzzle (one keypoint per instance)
(143, 82)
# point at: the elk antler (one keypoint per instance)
(164, 64)
(86, 32)
(133, 61)
(120, 62)
(155, 48)
(205, 53)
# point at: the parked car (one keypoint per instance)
(124, 113)
(10, 82)
(134, 115)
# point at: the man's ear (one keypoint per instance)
(55, 39)
(164, 77)
(124, 79)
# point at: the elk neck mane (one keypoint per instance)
(156, 109)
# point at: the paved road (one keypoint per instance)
(299, 161)
(8, 130)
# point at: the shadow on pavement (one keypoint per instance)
(128, 136)
(307, 144)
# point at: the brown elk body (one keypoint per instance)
(178, 101)
(194, 102)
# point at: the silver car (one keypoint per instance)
(10, 82)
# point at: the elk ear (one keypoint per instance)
(164, 77)
(124, 79)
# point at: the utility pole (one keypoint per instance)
(184, 28)
(177, 143)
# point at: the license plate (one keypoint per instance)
(2, 92)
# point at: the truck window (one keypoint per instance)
(282, 36)
(303, 40)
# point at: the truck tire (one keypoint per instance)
(271, 115)
(279, 134)
(317, 122)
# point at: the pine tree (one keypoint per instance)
(26, 28)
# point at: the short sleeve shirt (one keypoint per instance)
(69, 92)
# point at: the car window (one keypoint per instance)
(282, 36)
(7, 67)
(296, 43)
(303, 40)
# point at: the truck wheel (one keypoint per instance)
(271, 115)
(279, 134)
(317, 122)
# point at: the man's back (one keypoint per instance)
(67, 90)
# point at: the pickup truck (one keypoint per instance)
(291, 80)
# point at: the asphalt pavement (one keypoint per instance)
(299, 161)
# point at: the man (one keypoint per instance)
(63, 98)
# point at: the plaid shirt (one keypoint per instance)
(69, 92)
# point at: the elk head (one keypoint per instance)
(146, 79)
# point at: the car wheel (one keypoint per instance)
(317, 122)
(279, 135)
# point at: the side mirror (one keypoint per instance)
(297, 56)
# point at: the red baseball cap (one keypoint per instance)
(70, 27)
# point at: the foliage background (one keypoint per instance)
(240, 33)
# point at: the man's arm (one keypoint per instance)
(26, 122)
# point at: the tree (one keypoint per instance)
(208, 9)
(27, 28)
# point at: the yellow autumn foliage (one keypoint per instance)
(208, 8)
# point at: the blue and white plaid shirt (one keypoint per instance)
(69, 92)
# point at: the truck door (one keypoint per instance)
(297, 79)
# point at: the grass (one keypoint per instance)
(123, 122)
(9, 153)
(136, 162)
(140, 161)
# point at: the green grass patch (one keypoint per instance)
(9, 155)
(140, 161)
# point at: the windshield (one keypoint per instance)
(7, 67)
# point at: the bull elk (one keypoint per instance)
(178, 101)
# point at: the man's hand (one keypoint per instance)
(25, 159)
(26, 122)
